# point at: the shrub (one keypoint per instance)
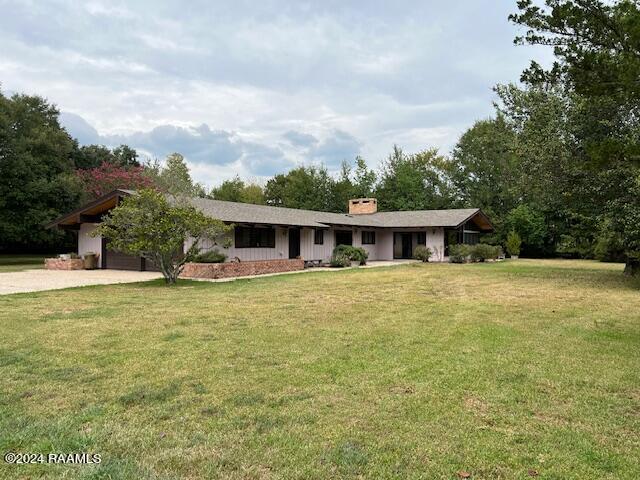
(356, 254)
(514, 242)
(481, 252)
(212, 256)
(422, 253)
(340, 260)
(459, 253)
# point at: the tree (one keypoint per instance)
(529, 225)
(485, 168)
(174, 178)
(513, 243)
(342, 189)
(622, 213)
(36, 174)
(597, 50)
(92, 156)
(554, 176)
(236, 190)
(306, 187)
(253, 193)
(596, 44)
(107, 177)
(156, 228)
(125, 156)
(364, 179)
(414, 182)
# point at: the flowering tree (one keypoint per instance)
(108, 177)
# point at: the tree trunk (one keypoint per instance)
(632, 267)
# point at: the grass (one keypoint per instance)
(17, 263)
(504, 370)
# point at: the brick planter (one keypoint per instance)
(60, 264)
(241, 269)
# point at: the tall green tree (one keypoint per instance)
(125, 156)
(236, 190)
(92, 156)
(342, 189)
(37, 183)
(174, 177)
(306, 187)
(485, 168)
(597, 50)
(364, 179)
(418, 181)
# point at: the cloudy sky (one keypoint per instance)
(254, 88)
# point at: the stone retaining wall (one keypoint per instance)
(60, 264)
(241, 269)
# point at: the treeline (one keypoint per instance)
(44, 173)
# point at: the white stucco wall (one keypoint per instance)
(87, 243)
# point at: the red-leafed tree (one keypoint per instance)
(108, 177)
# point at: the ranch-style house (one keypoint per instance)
(264, 232)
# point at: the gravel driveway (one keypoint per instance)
(38, 280)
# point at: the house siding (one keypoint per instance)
(310, 251)
(383, 249)
(435, 242)
(281, 250)
(87, 243)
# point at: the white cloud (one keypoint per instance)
(265, 79)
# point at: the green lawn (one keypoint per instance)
(419, 371)
(16, 263)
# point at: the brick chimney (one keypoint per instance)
(362, 206)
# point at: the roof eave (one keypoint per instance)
(60, 220)
(484, 216)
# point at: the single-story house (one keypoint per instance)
(264, 232)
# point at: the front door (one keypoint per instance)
(344, 237)
(294, 242)
(406, 245)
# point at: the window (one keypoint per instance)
(470, 238)
(368, 238)
(254, 237)
(318, 237)
(422, 238)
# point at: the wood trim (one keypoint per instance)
(82, 218)
(73, 216)
(103, 253)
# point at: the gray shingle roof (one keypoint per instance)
(263, 214)
(233, 212)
